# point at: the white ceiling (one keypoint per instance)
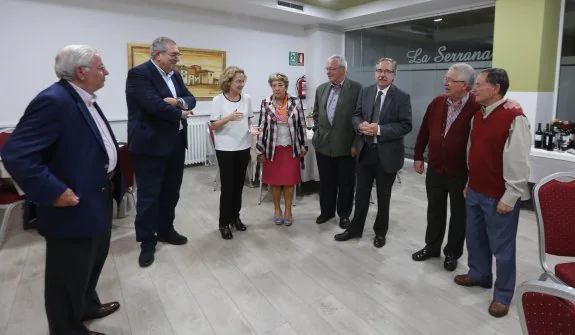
(374, 13)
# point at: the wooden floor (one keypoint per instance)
(270, 279)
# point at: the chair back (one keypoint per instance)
(546, 308)
(211, 133)
(554, 198)
(4, 134)
(126, 166)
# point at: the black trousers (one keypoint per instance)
(159, 180)
(368, 169)
(336, 184)
(438, 187)
(233, 166)
(73, 267)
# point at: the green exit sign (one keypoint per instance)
(296, 58)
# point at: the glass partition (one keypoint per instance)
(424, 50)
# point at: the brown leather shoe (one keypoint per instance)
(104, 310)
(95, 333)
(465, 280)
(498, 309)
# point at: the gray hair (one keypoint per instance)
(159, 45)
(465, 73)
(72, 57)
(391, 60)
(278, 77)
(339, 59)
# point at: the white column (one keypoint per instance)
(322, 42)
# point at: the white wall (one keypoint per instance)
(34, 30)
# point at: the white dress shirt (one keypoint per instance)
(168, 79)
(90, 99)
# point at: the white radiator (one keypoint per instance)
(197, 143)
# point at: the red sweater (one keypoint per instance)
(488, 139)
(447, 154)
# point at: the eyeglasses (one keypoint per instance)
(100, 68)
(386, 71)
(451, 81)
(332, 69)
(173, 54)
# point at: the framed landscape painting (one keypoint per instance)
(200, 68)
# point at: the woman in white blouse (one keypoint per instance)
(231, 120)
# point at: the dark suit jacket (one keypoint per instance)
(335, 139)
(394, 122)
(153, 123)
(57, 145)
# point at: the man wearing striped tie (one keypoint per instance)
(444, 131)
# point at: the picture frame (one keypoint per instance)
(200, 68)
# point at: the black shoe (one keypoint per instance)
(226, 232)
(102, 311)
(240, 226)
(344, 223)
(450, 262)
(346, 235)
(146, 257)
(173, 238)
(322, 219)
(379, 241)
(424, 254)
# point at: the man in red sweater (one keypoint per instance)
(498, 160)
(444, 131)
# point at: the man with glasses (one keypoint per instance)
(444, 131)
(158, 106)
(382, 118)
(64, 156)
(333, 139)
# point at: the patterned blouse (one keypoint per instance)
(267, 139)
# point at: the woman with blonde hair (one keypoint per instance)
(231, 119)
(281, 144)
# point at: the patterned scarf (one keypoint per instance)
(281, 110)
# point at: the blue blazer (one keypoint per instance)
(57, 145)
(153, 123)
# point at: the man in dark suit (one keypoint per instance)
(158, 105)
(382, 118)
(64, 156)
(333, 138)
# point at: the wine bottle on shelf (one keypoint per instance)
(550, 140)
(564, 140)
(546, 138)
(538, 137)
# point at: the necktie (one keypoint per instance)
(375, 115)
(376, 107)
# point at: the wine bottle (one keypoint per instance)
(546, 138)
(538, 137)
(550, 140)
(564, 140)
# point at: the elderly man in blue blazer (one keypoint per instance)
(158, 106)
(64, 156)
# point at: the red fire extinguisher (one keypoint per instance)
(300, 86)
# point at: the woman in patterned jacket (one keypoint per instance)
(281, 144)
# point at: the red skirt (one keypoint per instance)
(284, 170)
